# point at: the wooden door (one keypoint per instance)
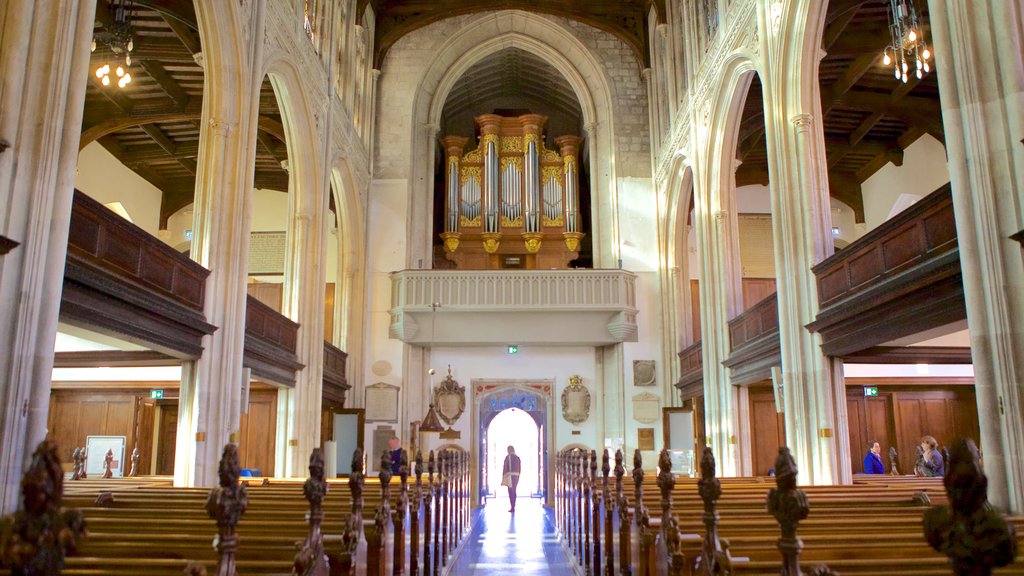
(767, 429)
(167, 438)
(145, 428)
(75, 415)
(257, 432)
(870, 420)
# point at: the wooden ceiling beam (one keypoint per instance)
(119, 123)
(170, 147)
(188, 36)
(893, 154)
(183, 11)
(865, 126)
(847, 189)
(167, 83)
(264, 139)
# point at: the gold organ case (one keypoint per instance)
(511, 202)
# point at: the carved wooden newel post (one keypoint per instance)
(135, 463)
(398, 518)
(609, 507)
(446, 479)
(417, 503)
(714, 558)
(226, 504)
(669, 528)
(428, 497)
(789, 506)
(437, 513)
(595, 514)
(108, 462)
(377, 558)
(622, 504)
(78, 472)
(641, 519)
(310, 559)
(34, 540)
(354, 529)
(587, 500)
(973, 535)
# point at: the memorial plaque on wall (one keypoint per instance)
(381, 402)
(645, 439)
(643, 373)
(646, 408)
(266, 253)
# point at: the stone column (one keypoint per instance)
(44, 59)
(720, 301)
(220, 226)
(977, 49)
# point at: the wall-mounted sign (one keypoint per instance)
(513, 349)
(575, 401)
(871, 391)
(156, 394)
(381, 402)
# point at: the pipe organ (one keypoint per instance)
(511, 202)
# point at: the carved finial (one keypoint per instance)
(419, 466)
(892, 460)
(85, 463)
(638, 467)
(593, 465)
(76, 457)
(34, 540)
(108, 462)
(789, 506)
(620, 470)
(385, 473)
(714, 556)
(310, 560)
(226, 504)
(973, 535)
(431, 466)
(135, 463)
(606, 467)
(403, 469)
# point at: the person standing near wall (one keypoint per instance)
(510, 476)
(873, 460)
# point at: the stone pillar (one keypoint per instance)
(720, 300)
(220, 226)
(801, 219)
(977, 49)
(44, 58)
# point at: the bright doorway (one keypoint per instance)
(513, 427)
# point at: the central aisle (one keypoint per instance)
(523, 543)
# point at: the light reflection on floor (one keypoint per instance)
(524, 542)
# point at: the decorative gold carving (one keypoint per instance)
(575, 401)
(535, 138)
(474, 156)
(512, 144)
(451, 240)
(491, 241)
(517, 160)
(467, 173)
(567, 162)
(506, 222)
(450, 399)
(549, 172)
(467, 223)
(550, 156)
(487, 139)
(532, 241)
(556, 222)
(572, 240)
(453, 161)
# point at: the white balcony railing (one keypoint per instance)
(524, 306)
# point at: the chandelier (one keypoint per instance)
(117, 36)
(908, 47)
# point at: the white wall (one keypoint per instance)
(105, 179)
(924, 170)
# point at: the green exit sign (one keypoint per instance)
(513, 349)
(871, 391)
(158, 394)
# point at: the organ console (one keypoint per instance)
(511, 202)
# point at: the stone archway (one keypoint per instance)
(492, 397)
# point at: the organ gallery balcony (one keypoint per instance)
(539, 307)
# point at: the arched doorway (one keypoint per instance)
(513, 427)
(502, 414)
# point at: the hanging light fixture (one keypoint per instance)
(908, 50)
(431, 423)
(117, 36)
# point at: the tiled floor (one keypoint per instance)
(521, 543)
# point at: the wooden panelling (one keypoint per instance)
(768, 429)
(911, 355)
(901, 414)
(257, 432)
(336, 385)
(167, 436)
(754, 341)
(120, 280)
(756, 289)
(270, 343)
(691, 371)
(901, 278)
(272, 294)
(109, 358)
(76, 415)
